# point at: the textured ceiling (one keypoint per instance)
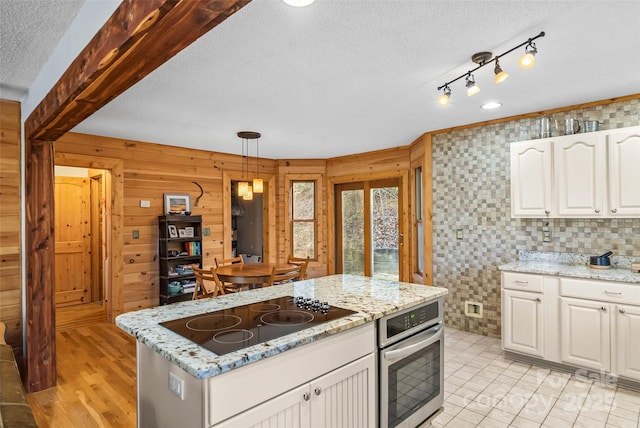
(341, 77)
(29, 32)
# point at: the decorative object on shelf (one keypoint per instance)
(246, 190)
(177, 204)
(483, 58)
(200, 195)
(173, 231)
(188, 232)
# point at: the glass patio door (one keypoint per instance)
(368, 229)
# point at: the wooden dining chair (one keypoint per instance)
(302, 261)
(285, 274)
(231, 261)
(207, 283)
(229, 286)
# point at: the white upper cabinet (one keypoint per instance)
(592, 175)
(531, 179)
(580, 175)
(624, 172)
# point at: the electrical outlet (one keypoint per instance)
(144, 203)
(206, 231)
(546, 236)
(136, 234)
(473, 309)
(459, 234)
(176, 386)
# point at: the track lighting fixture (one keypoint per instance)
(483, 58)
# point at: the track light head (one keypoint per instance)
(501, 75)
(472, 88)
(528, 60)
(444, 99)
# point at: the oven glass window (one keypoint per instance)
(413, 382)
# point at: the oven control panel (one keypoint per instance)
(404, 323)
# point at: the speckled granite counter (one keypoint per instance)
(572, 265)
(371, 298)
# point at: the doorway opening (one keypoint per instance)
(81, 242)
(246, 226)
(368, 228)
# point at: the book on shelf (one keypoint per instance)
(192, 248)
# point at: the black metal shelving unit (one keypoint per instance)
(177, 251)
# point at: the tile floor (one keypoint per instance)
(483, 389)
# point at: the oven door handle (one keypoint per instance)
(420, 340)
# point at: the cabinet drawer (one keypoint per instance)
(522, 281)
(600, 290)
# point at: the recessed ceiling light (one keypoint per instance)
(491, 105)
(299, 3)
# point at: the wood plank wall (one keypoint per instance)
(149, 171)
(10, 226)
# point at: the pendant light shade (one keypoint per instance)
(258, 185)
(444, 99)
(243, 188)
(249, 195)
(528, 60)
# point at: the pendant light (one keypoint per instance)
(501, 75)
(528, 60)
(245, 189)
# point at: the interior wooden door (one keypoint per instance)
(73, 241)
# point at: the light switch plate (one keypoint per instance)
(144, 203)
(206, 231)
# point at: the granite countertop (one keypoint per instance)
(371, 298)
(572, 265)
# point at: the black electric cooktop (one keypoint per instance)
(232, 329)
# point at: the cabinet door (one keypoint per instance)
(584, 333)
(523, 322)
(531, 179)
(289, 410)
(624, 173)
(346, 396)
(627, 341)
(580, 175)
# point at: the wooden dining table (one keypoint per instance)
(249, 273)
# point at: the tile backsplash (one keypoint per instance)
(471, 192)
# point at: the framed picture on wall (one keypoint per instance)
(173, 231)
(177, 203)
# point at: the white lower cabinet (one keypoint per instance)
(584, 333)
(627, 322)
(583, 323)
(342, 398)
(523, 322)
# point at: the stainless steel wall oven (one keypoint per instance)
(411, 365)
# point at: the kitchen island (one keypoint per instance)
(182, 382)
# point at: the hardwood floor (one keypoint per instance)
(96, 373)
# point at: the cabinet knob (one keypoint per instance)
(538, 299)
(622, 311)
(597, 211)
(306, 396)
(614, 210)
(547, 212)
(603, 308)
(318, 391)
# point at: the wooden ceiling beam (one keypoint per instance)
(139, 37)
